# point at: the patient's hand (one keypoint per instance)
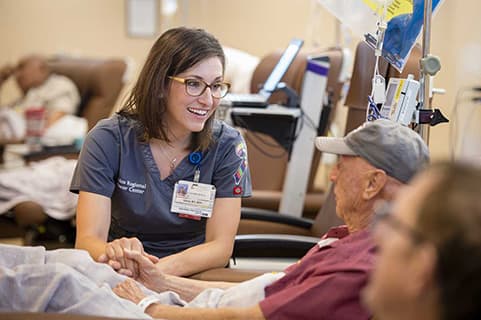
(129, 290)
(149, 274)
(116, 258)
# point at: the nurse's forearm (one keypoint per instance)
(94, 245)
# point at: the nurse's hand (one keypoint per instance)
(149, 275)
(116, 258)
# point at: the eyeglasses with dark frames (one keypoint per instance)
(383, 214)
(196, 87)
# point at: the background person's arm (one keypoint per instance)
(63, 98)
(53, 117)
(216, 250)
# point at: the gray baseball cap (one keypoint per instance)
(385, 144)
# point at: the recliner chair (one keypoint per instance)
(267, 159)
(99, 82)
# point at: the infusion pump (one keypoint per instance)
(400, 103)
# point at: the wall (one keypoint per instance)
(456, 39)
(86, 27)
(259, 26)
(97, 28)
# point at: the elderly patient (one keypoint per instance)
(375, 160)
(39, 88)
(59, 98)
(429, 263)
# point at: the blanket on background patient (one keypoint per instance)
(33, 279)
(45, 182)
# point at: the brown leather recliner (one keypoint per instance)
(267, 159)
(99, 82)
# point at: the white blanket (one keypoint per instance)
(45, 182)
(12, 124)
(68, 281)
(63, 281)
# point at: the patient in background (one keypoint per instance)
(40, 88)
(53, 96)
(429, 262)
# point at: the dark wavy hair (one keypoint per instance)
(175, 51)
(450, 218)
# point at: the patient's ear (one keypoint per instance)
(376, 180)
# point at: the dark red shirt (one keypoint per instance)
(326, 283)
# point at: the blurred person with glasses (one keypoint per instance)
(429, 248)
(161, 176)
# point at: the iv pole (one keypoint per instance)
(429, 66)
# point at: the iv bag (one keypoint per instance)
(404, 21)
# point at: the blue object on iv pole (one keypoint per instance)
(401, 33)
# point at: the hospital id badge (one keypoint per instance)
(193, 198)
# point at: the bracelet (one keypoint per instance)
(147, 301)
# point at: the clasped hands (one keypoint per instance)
(127, 257)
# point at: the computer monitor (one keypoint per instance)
(281, 67)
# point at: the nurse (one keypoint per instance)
(162, 176)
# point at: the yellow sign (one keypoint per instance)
(396, 7)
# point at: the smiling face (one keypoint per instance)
(158, 100)
(186, 114)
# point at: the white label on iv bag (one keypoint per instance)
(378, 89)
